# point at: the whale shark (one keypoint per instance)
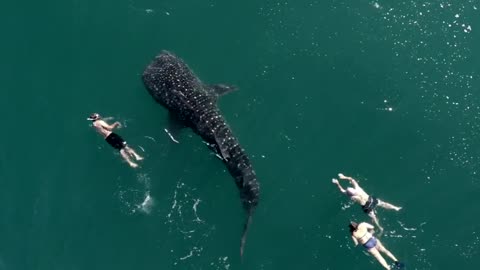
(193, 103)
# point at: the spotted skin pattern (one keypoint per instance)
(174, 85)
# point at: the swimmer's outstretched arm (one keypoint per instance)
(110, 127)
(354, 240)
(368, 226)
(335, 181)
(117, 125)
(352, 181)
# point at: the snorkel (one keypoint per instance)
(94, 117)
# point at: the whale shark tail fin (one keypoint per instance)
(245, 231)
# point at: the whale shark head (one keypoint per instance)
(167, 74)
(166, 58)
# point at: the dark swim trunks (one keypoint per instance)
(116, 141)
(371, 243)
(370, 205)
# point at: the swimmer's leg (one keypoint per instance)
(388, 205)
(382, 249)
(375, 220)
(132, 152)
(127, 158)
(379, 257)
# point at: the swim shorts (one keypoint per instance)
(371, 243)
(116, 141)
(370, 205)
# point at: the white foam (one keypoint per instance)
(186, 257)
(170, 135)
(151, 138)
(222, 263)
(406, 228)
(185, 222)
(147, 204)
(197, 201)
(173, 205)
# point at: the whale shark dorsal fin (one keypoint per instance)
(222, 89)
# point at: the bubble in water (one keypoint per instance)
(147, 205)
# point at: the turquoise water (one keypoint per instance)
(385, 91)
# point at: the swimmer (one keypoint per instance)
(363, 233)
(113, 139)
(368, 203)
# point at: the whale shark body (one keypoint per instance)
(174, 85)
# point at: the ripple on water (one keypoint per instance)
(434, 46)
(186, 224)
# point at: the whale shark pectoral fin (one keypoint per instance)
(215, 149)
(224, 154)
(223, 151)
(222, 89)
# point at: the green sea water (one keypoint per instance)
(384, 91)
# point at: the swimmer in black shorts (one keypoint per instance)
(114, 139)
(368, 203)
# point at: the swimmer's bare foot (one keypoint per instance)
(397, 208)
(134, 154)
(335, 181)
(133, 165)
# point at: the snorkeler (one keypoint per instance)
(368, 203)
(363, 233)
(113, 139)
